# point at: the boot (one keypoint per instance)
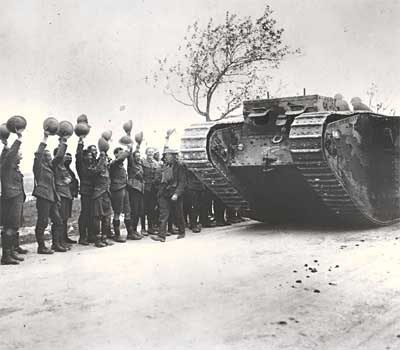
(143, 231)
(157, 238)
(99, 243)
(180, 236)
(196, 228)
(42, 249)
(56, 246)
(17, 247)
(106, 241)
(132, 234)
(6, 244)
(117, 232)
(82, 238)
(13, 254)
(66, 239)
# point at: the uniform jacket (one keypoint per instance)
(74, 185)
(12, 180)
(61, 176)
(118, 174)
(44, 186)
(84, 170)
(2, 157)
(173, 180)
(150, 169)
(101, 177)
(135, 174)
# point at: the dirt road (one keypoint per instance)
(249, 286)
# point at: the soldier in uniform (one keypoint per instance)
(102, 207)
(192, 201)
(219, 212)
(136, 189)
(170, 196)
(74, 188)
(150, 168)
(47, 197)
(206, 209)
(12, 198)
(119, 192)
(16, 247)
(84, 162)
(63, 182)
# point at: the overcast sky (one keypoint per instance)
(64, 58)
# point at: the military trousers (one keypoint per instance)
(170, 208)
(47, 210)
(85, 221)
(120, 203)
(150, 204)
(192, 206)
(137, 206)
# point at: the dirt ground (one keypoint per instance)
(248, 286)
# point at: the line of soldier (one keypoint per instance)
(162, 191)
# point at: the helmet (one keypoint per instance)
(103, 145)
(51, 125)
(4, 133)
(139, 137)
(82, 129)
(65, 129)
(126, 140)
(16, 122)
(82, 119)
(128, 127)
(107, 135)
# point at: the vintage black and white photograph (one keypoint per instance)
(200, 175)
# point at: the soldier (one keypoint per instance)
(136, 189)
(170, 196)
(219, 212)
(63, 182)
(74, 188)
(12, 198)
(150, 168)
(47, 197)
(84, 163)
(206, 209)
(193, 198)
(119, 192)
(102, 207)
(17, 248)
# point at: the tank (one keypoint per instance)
(296, 159)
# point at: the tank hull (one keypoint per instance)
(328, 168)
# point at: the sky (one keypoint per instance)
(68, 57)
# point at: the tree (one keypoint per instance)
(222, 64)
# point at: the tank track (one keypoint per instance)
(306, 146)
(194, 145)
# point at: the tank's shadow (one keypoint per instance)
(265, 228)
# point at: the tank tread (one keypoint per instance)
(195, 156)
(308, 156)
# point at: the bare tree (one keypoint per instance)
(222, 64)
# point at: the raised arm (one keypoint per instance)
(62, 149)
(39, 154)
